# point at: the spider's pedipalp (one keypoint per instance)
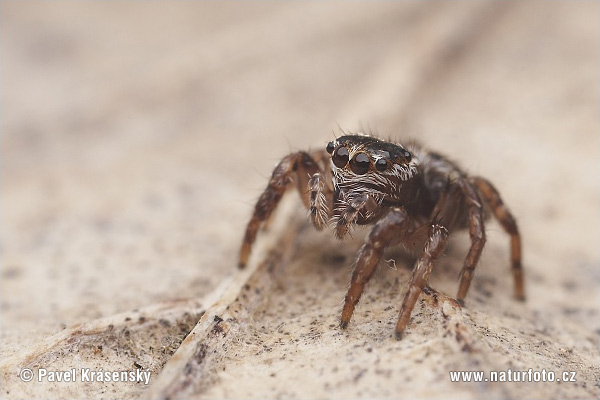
(348, 216)
(319, 211)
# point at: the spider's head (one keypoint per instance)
(366, 160)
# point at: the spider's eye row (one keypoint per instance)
(381, 165)
(340, 157)
(360, 163)
(330, 147)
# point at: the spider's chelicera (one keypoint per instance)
(411, 196)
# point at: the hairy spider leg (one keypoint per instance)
(508, 222)
(438, 236)
(386, 231)
(476, 233)
(299, 165)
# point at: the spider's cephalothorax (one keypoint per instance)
(412, 197)
(371, 172)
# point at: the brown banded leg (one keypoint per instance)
(302, 166)
(389, 230)
(434, 247)
(477, 235)
(505, 218)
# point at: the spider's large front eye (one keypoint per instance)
(360, 163)
(340, 157)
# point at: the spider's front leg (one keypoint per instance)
(386, 232)
(299, 165)
(438, 235)
(395, 227)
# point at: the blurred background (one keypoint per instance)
(135, 137)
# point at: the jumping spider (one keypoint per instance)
(412, 196)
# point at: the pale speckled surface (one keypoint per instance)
(135, 140)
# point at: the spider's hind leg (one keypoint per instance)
(476, 233)
(506, 219)
(298, 165)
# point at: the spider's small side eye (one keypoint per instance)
(381, 165)
(360, 163)
(407, 155)
(340, 157)
(330, 147)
